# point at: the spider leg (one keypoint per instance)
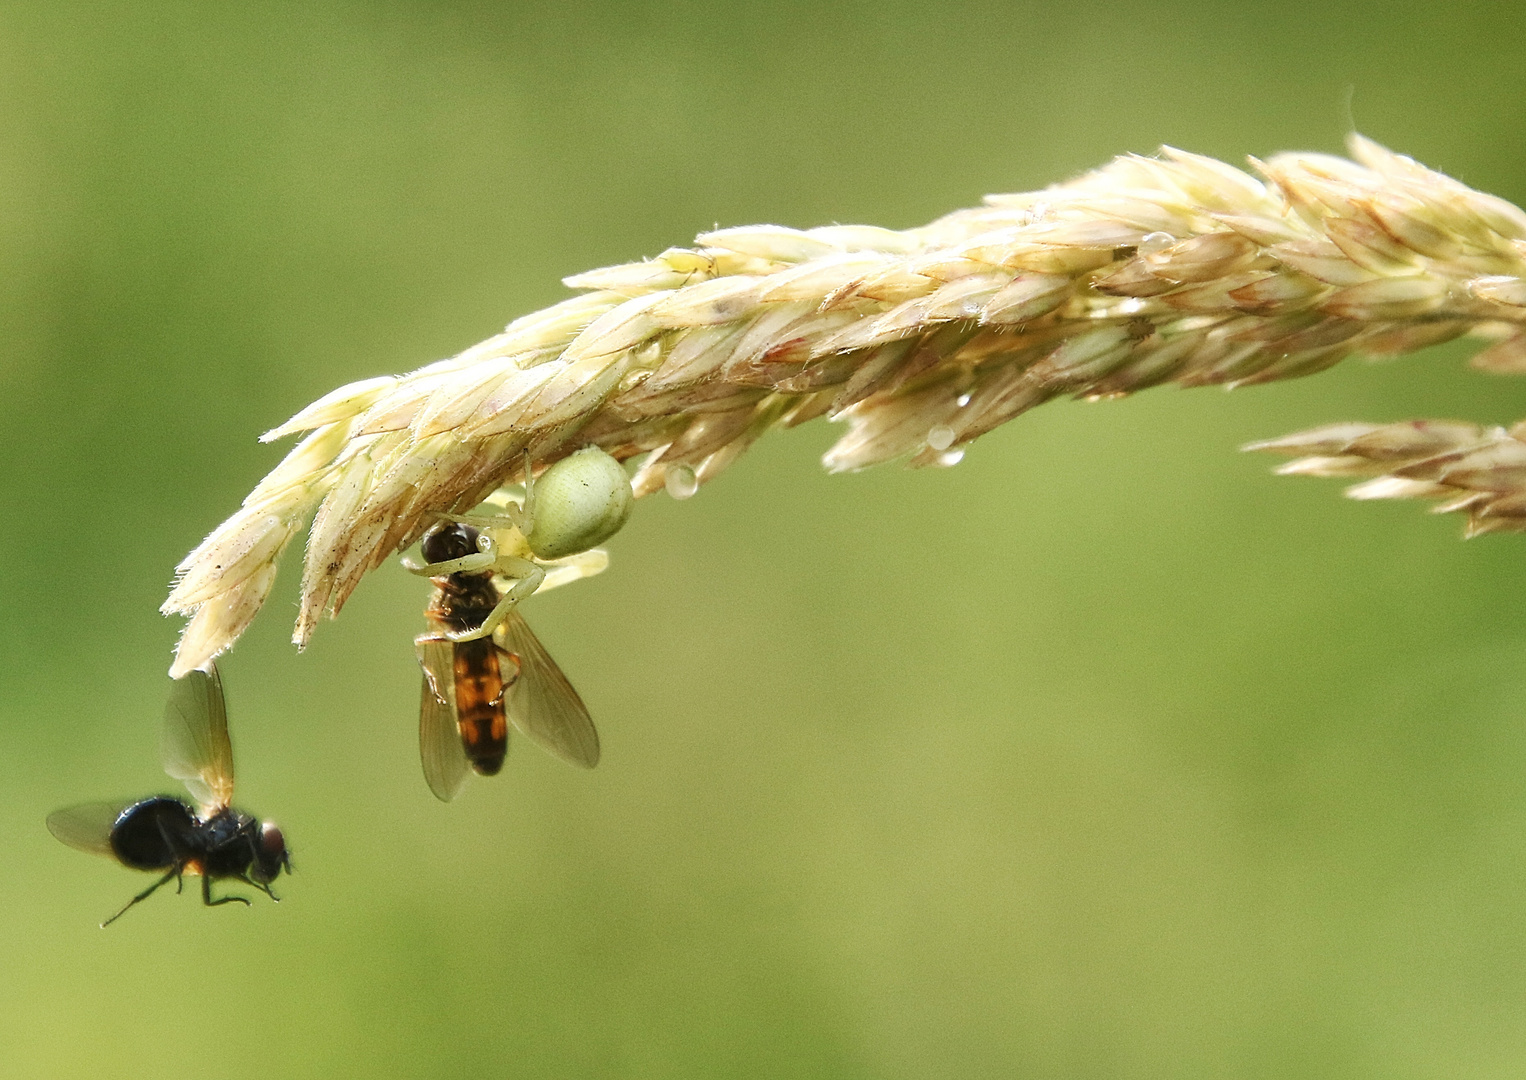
(529, 577)
(526, 515)
(487, 555)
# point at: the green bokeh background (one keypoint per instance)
(1105, 754)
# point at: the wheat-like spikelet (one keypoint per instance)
(1468, 467)
(1175, 268)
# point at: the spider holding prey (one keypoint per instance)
(483, 667)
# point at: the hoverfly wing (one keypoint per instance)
(195, 747)
(542, 703)
(440, 749)
(87, 827)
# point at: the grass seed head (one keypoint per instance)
(1174, 268)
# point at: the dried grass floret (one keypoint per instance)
(1480, 471)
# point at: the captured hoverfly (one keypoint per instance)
(163, 833)
(484, 669)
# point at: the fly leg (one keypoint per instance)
(243, 876)
(179, 870)
(528, 578)
(206, 895)
(509, 669)
(439, 692)
(144, 895)
(264, 888)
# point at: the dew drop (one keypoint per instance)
(940, 437)
(1155, 241)
(681, 481)
(950, 459)
(964, 399)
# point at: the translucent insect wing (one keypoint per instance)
(195, 747)
(440, 749)
(542, 703)
(87, 827)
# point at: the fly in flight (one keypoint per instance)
(166, 835)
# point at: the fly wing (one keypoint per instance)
(195, 747)
(440, 749)
(87, 827)
(542, 703)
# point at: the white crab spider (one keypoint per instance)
(545, 539)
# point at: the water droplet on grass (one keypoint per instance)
(681, 481)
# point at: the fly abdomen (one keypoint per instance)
(154, 834)
(479, 705)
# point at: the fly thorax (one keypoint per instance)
(465, 600)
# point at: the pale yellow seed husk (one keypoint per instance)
(1147, 270)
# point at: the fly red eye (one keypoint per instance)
(272, 855)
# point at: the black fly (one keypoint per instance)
(164, 833)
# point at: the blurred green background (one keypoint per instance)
(1105, 754)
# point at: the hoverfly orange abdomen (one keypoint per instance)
(480, 686)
